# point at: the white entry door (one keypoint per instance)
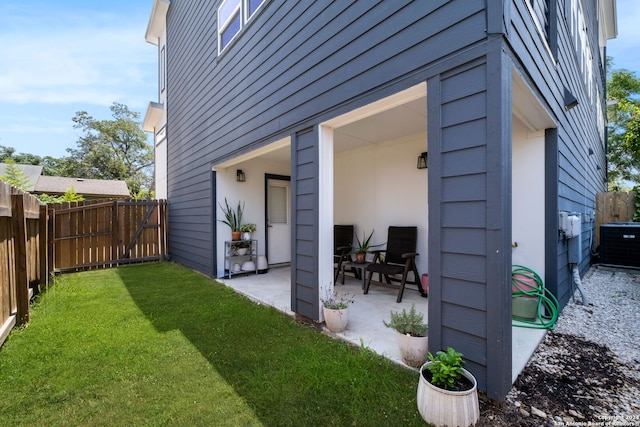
(279, 220)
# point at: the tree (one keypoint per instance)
(111, 149)
(71, 195)
(623, 87)
(14, 176)
(51, 165)
(6, 153)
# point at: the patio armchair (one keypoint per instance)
(342, 246)
(398, 261)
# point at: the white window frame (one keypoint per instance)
(245, 3)
(223, 24)
(163, 68)
(236, 7)
(544, 34)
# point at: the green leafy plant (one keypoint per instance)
(71, 195)
(233, 218)
(446, 368)
(248, 228)
(364, 245)
(408, 323)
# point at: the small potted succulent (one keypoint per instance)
(447, 393)
(336, 311)
(411, 331)
(247, 230)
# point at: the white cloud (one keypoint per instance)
(85, 57)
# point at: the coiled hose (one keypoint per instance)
(548, 306)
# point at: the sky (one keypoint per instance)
(61, 57)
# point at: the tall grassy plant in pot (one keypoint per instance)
(363, 246)
(233, 218)
(447, 393)
(411, 332)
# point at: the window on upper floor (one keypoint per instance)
(586, 63)
(252, 6)
(233, 15)
(544, 16)
(163, 69)
(540, 10)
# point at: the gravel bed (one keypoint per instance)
(585, 372)
(612, 315)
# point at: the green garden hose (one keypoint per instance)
(548, 307)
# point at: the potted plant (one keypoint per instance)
(233, 218)
(336, 311)
(447, 393)
(247, 230)
(363, 247)
(411, 332)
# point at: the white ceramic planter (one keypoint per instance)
(336, 320)
(413, 350)
(448, 408)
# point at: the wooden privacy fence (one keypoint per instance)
(23, 254)
(614, 206)
(36, 239)
(98, 234)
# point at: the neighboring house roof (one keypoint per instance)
(86, 187)
(31, 171)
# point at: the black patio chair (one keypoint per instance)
(398, 260)
(342, 246)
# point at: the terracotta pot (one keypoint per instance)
(413, 349)
(235, 235)
(336, 319)
(448, 408)
(361, 257)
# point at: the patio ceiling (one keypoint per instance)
(394, 123)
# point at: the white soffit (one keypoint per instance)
(157, 21)
(262, 151)
(152, 117)
(402, 97)
(526, 106)
(609, 18)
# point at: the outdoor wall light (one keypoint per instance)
(570, 100)
(240, 176)
(422, 161)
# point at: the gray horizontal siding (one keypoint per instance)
(305, 290)
(576, 178)
(467, 181)
(295, 64)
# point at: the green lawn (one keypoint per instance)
(158, 344)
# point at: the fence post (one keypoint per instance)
(44, 246)
(162, 218)
(51, 235)
(115, 236)
(22, 281)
